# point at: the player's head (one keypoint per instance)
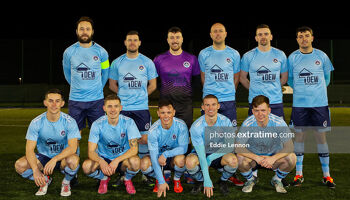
(175, 38)
(166, 112)
(263, 35)
(210, 105)
(85, 29)
(218, 33)
(304, 37)
(112, 106)
(53, 101)
(261, 109)
(132, 41)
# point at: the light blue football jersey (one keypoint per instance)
(307, 71)
(162, 140)
(132, 76)
(197, 129)
(113, 141)
(264, 70)
(219, 67)
(264, 144)
(83, 69)
(52, 137)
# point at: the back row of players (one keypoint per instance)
(133, 77)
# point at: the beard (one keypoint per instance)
(82, 40)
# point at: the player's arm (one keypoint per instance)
(152, 86)
(242, 151)
(288, 148)
(180, 150)
(236, 78)
(134, 148)
(113, 85)
(38, 176)
(92, 154)
(202, 77)
(243, 78)
(284, 78)
(66, 67)
(68, 151)
(327, 77)
(105, 72)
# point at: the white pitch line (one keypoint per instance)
(12, 125)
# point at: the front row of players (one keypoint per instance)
(113, 147)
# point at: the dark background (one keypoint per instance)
(34, 37)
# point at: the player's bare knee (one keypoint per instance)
(179, 160)
(87, 166)
(191, 161)
(230, 159)
(21, 165)
(134, 163)
(145, 163)
(72, 161)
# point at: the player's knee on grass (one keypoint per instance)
(179, 161)
(145, 163)
(191, 161)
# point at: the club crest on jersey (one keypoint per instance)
(317, 62)
(141, 67)
(309, 78)
(228, 60)
(63, 133)
(266, 74)
(219, 74)
(86, 72)
(131, 81)
(95, 58)
(275, 60)
(186, 64)
(122, 135)
(174, 137)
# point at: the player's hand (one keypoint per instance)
(162, 188)
(106, 169)
(39, 178)
(162, 160)
(268, 162)
(114, 165)
(50, 166)
(259, 159)
(208, 191)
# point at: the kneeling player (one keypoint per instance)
(55, 135)
(167, 143)
(115, 138)
(197, 163)
(274, 153)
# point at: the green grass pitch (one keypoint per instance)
(13, 127)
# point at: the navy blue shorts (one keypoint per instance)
(119, 165)
(315, 117)
(228, 109)
(81, 111)
(142, 118)
(44, 159)
(276, 109)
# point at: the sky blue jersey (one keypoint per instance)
(113, 141)
(219, 67)
(52, 137)
(86, 70)
(132, 76)
(308, 74)
(265, 143)
(264, 70)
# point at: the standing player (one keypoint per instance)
(274, 153)
(113, 146)
(309, 75)
(198, 163)
(176, 69)
(133, 77)
(267, 69)
(167, 143)
(220, 66)
(55, 135)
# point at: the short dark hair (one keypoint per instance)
(85, 19)
(174, 29)
(133, 32)
(53, 91)
(304, 29)
(111, 97)
(164, 102)
(262, 26)
(210, 96)
(260, 99)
